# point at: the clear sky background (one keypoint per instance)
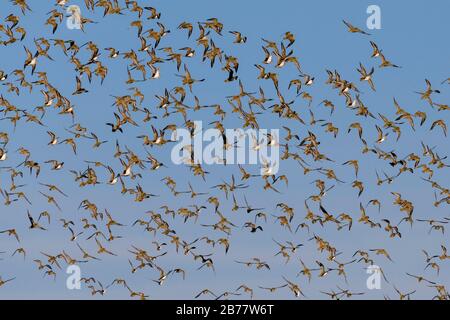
(414, 35)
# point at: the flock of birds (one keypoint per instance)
(93, 231)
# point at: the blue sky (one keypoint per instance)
(412, 36)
